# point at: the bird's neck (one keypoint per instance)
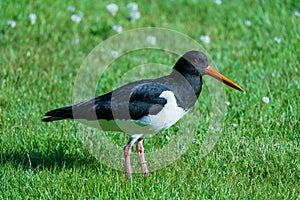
(189, 73)
(194, 81)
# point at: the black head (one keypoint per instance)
(195, 63)
(197, 59)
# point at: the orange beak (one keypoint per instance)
(210, 71)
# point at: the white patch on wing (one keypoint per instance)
(168, 116)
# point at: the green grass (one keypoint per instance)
(258, 159)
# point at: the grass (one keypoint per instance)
(257, 159)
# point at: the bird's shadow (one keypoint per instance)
(58, 159)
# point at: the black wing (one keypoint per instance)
(131, 101)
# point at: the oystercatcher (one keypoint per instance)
(145, 107)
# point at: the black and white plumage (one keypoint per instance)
(144, 107)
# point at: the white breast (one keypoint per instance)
(168, 116)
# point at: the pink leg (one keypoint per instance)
(127, 150)
(140, 150)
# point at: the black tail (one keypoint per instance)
(59, 114)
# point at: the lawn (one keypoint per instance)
(254, 43)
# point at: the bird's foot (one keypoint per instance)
(128, 175)
(146, 172)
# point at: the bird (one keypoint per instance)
(145, 107)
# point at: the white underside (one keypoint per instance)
(147, 125)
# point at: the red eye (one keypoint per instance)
(196, 60)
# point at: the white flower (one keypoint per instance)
(205, 39)
(112, 9)
(168, 138)
(134, 15)
(151, 39)
(117, 28)
(32, 18)
(76, 18)
(11, 23)
(219, 2)
(28, 53)
(114, 54)
(266, 99)
(76, 41)
(227, 103)
(277, 39)
(297, 14)
(132, 6)
(248, 23)
(71, 8)
(234, 125)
